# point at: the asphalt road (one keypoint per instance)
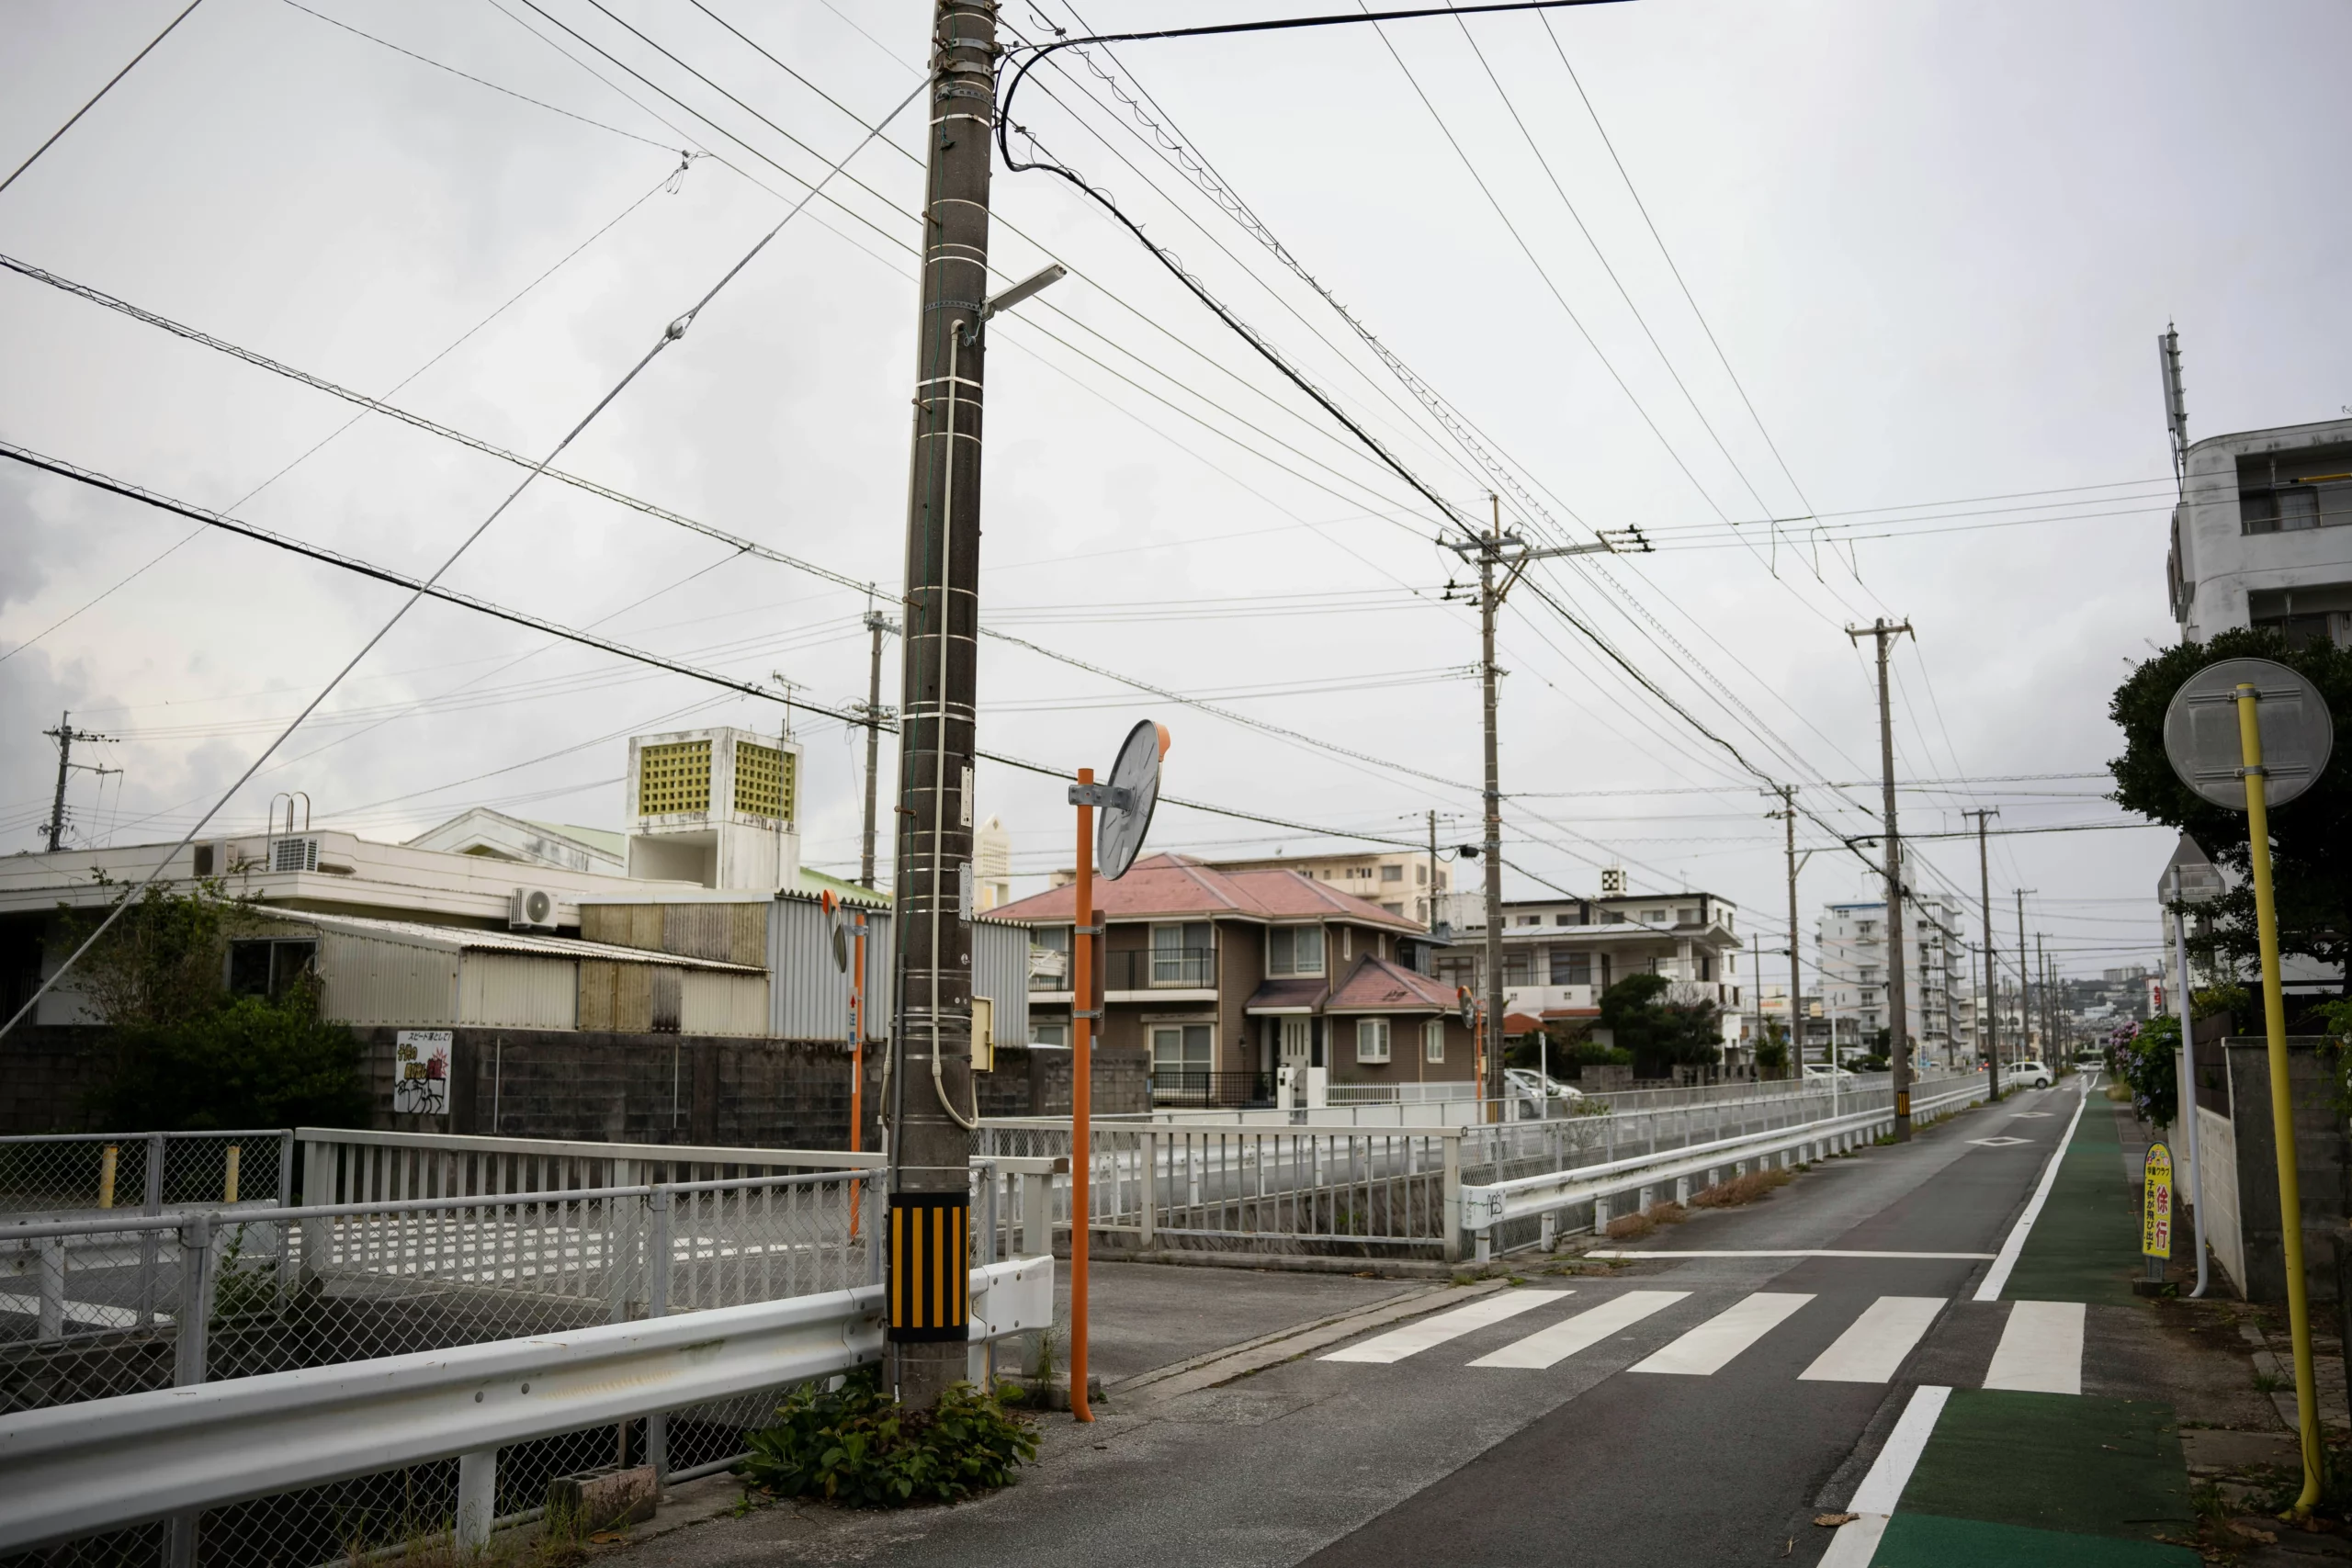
(1355, 1456)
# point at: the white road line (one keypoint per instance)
(1548, 1346)
(1414, 1337)
(1790, 1252)
(1872, 1348)
(2041, 1349)
(1710, 1347)
(1997, 1276)
(1855, 1544)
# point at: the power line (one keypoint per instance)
(101, 93)
(478, 81)
(673, 333)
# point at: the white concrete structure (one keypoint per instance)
(2260, 536)
(716, 807)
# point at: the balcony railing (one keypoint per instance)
(1187, 969)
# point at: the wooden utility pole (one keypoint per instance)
(931, 1075)
(2025, 993)
(1898, 993)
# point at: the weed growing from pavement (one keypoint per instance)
(1740, 1189)
(856, 1446)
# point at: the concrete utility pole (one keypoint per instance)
(65, 735)
(1897, 995)
(2025, 1018)
(877, 624)
(1991, 1021)
(931, 1075)
(1432, 903)
(1788, 816)
(1495, 548)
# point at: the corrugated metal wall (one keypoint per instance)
(714, 1003)
(808, 997)
(517, 990)
(367, 980)
(1001, 973)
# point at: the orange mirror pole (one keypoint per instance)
(1082, 1006)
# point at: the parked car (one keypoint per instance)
(2030, 1075)
(1821, 1072)
(1531, 1088)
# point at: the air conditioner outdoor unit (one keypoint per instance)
(532, 909)
(293, 854)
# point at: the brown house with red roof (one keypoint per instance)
(1225, 976)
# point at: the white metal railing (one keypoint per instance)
(1308, 1181)
(1486, 1207)
(80, 1470)
(342, 1165)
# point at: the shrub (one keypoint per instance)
(1740, 1189)
(2147, 1061)
(856, 1446)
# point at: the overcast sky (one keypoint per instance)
(1935, 244)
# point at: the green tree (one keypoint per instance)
(1772, 1051)
(2311, 838)
(1660, 1035)
(186, 1054)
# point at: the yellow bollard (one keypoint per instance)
(105, 1178)
(229, 1185)
(2282, 1107)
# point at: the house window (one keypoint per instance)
(1049, 958)
(264, 968)
(1180, 953)
(1654, 916)
(1568, 918)
(1295, 949)
(1612, 918)
(1372, 1040)
(1421, 877)
(1179, 1048)
(1686, 916)
(1519, 967)
(1530, 919)
(1392, 874)
(1434, 1040)
(1394, 909)
(1056, 1035)
(1347, 943)
(1571, 969)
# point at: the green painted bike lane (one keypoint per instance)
(2034, 1479)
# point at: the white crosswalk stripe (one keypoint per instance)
(1712, 1346)
(1548, 1346)
(1874, 1344)
(1423, 1334)
(2041, 1349)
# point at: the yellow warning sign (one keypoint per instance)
(2155, 1206)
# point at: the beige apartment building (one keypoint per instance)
(1398, 881)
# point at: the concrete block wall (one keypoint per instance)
(2323, 1174)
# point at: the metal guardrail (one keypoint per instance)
(1484, 1207)
(80, 1470)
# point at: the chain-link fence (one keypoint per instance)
(106, 1305)
(68, 1174)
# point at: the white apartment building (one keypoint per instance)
(2259, 538)
(1559, 954)
(1939, 999)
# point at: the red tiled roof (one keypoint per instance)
(1374, 985)
(1169, 886)
(1521, 1024)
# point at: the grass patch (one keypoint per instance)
(1740, 1189)
(856, 1446)
(1630, 1226)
